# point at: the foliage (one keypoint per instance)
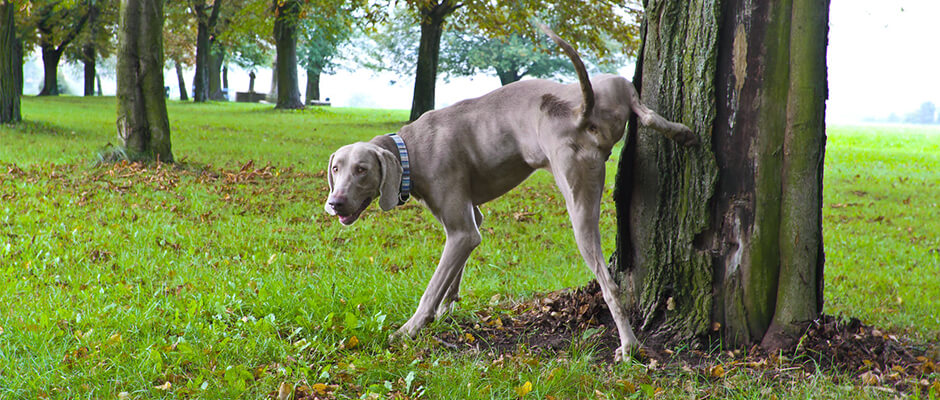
(223, 277)
(926, 114)
(101, 31)
(323, 31)
(469, 47)
(179, 34)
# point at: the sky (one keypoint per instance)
(883, 58)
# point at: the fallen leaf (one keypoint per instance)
(469, 338)
(124, 396)
(320, 388)
(352, 342)
(718, 371)
(524, 389)
(869, 378)
(165, 386)
(284, 391)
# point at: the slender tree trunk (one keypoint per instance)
(251, 82)
(9, 94)
(181, 81)
(225, 80)
(429, 49)
(725, 239)
(142, 121)
(313, 84)
(98, 80)
(50, 68)
(285, 39)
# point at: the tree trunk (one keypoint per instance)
(89, 52)
(142, 121)
(507, 77)
(429, 49)
(50, 68)
(18, 64)
(726, 239)
(216, 60)
(285, 39)
(9, 93)
(205, 24)
(88, 59)
(313, 84)
(98, 80)
(182, 82)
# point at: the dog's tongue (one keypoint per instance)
(348, 219)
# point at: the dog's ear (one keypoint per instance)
(391, 179)
(329, 179)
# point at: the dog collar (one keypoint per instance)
(404, 191)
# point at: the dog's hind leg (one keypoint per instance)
(582, 186)
(675, 131)
(462, 237)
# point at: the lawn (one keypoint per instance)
(223, 277)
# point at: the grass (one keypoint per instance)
(224, 278)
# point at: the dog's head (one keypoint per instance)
(359, 173)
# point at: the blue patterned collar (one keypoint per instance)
(404, 191)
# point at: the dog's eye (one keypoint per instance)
(334, 169)
(360, 170)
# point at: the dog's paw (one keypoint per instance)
(686, 137)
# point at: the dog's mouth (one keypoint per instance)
(348, 219)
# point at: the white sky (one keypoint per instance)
(884, 57)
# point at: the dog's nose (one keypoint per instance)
(336, 201)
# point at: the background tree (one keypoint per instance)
(924, 115)
(179, 38)
(96, 39)
(726, 239)
(287, 15)
(207, 16)
(585, 24)
(321, 35)
(58, 24)
(142, 122)
(9, 95)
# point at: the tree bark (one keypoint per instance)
(285, 39)
(9, 93)
(726, 239)
(429, 49)
(181, 81)
(142, 121)
(313, 84)
(507, 77)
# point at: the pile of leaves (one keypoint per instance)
(846, 348)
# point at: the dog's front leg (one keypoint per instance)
(462, 237)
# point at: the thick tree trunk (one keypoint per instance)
(142, 121)
(89, 52)
(429, 49)
(88, 59)
(285, 39)
(726, 238)
(313, 85)
(507, 77)
(206, 19)
(215, 74)
(18, 64)
(50, 68)
(181, 81)
(9, 93)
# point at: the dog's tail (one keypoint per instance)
(587, 91)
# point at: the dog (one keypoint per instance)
(459, 157)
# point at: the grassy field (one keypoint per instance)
(224, 278)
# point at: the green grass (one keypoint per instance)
(227, 281)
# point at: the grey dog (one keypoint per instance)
(461, 156)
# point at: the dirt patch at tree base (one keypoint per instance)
(557, 321)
